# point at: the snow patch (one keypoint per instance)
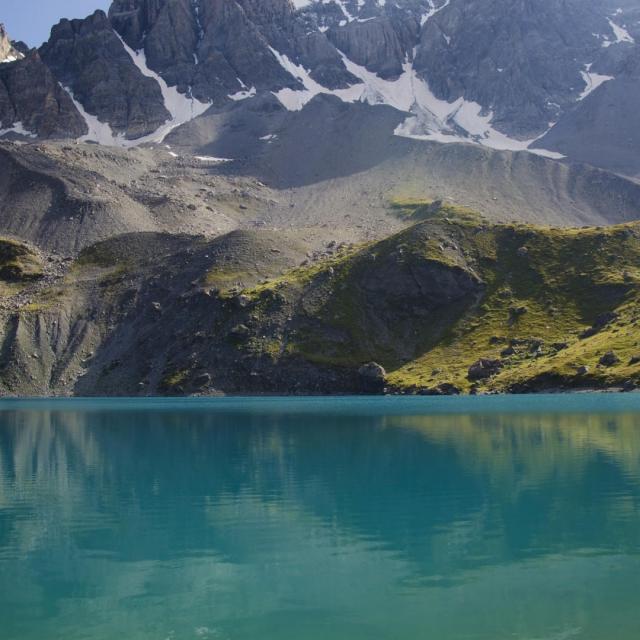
(244, 94)
(99, 132)
(433, 11)
(592, 81)
(12, 57)
(431, 118)
(619, 33)
(212, 159)
(19, 129)
(181, 107)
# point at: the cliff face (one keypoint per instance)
(33, 104)
(88, 58)
(214, 48)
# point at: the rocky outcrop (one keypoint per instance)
(373, 376)
(32, 103)
(8, 52)
(484, 368)
(88, 58)
(611, 116)
(521, 59)
(377, 44)
(215, 48)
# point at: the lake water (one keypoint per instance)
(321, 519)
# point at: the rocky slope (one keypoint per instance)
(451, 304)
(64, 197)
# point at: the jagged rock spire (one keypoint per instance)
(8, 53)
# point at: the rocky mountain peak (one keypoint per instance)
(499, 73)
(8, 53)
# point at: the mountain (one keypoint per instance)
(507, 74)
(427, 196)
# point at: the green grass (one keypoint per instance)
(562, 278)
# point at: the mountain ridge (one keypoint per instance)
(417, 56)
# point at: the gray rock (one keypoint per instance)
(30, 95)
(212, 48)
(602, 321)
(521, 59)
(444, 389)
(373, 371)
(484, 368)
(89, 58)
(240, 332)
(201, 381)
(609, 359)
(373, 44)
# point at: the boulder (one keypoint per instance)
(201, 381)
(240, 332)
(372, 371)
(372, 377)
(444, 389)
(484, 368)
(609, 359)
(602, 321)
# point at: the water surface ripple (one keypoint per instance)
(513, 518)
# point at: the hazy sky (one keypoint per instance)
(31, 20)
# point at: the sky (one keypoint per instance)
(31, 20)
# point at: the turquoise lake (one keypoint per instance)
(321, 519)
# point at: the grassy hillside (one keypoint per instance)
(452, 303)
(430, 301)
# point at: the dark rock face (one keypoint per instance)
(88, 57)
(373, 377)
(373, 44)
(213, 48)
(30, 96)
(609, 359)
(520, 58)
(611, 117)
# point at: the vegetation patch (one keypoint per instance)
(18, 263)
(430, 301)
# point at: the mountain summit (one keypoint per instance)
(8, 53)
